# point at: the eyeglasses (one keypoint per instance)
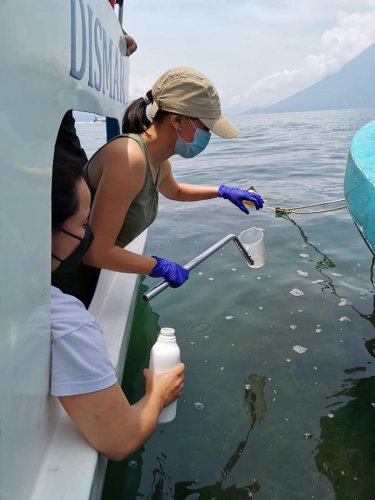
(201, 125)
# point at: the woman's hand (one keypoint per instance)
(237, 196)
(114, 427)
(172, 272)
(168, 385)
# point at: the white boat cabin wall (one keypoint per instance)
(55, 56)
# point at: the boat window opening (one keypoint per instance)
(91, 129)
(81, 134)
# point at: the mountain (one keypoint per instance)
(351, 87)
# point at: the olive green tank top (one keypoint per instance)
(144, 207)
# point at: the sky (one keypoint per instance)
(256, 52)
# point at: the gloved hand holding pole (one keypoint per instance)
(172, 272)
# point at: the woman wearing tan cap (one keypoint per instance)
(126, 175)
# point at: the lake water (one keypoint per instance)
(279, 398)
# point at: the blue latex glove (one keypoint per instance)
(172, 272)
(237, 195)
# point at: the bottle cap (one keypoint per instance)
(167, 331)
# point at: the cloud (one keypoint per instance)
(352, 34)
(139, 86)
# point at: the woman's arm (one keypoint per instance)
(122, 178)
(114, 427)
(173, 190)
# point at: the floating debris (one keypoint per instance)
(299, 349)
(344, 302)
(318, 330)
(345, 319)
(293, 327)
(132, 464)
(199, 406)
(302, 273)
(296, 292)
(330, 415)
(229, 317)
(234, 269)
(211, 279)
(288, 360)
(307, 435)
(304, 255)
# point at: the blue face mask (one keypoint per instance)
(190, 149)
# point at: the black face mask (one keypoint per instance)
(73, 260)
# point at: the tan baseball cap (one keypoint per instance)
(188, 92)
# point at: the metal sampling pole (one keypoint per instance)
(153, 292)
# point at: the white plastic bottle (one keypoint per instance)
(165, 354)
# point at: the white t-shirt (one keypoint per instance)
(80, 362)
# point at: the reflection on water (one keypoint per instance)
(346, 451)
(163, 485)
(370, 346)
(328, 285)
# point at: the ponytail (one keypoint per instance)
(135, 118)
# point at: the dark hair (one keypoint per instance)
(135, 119)
(64, 198)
